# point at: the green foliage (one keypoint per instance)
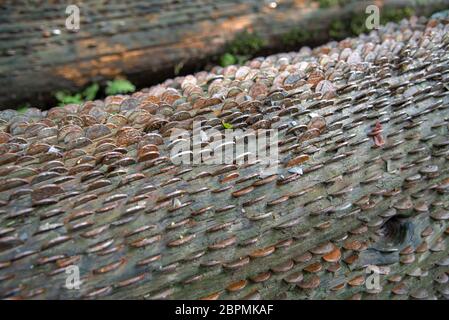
(65, 97)
(331, 3)
(342, 28)
(396, 15)
(295, 36)
(91, 91)
(23, 108)
(239, 50)
(245, 43)
(119, 86)
(338, 29)
(358, 24)
(328, 3)
(226, 125)
(178, 67)
(227, 59)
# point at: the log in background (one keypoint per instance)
(142, 40)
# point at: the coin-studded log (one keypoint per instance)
(362, 180)
(142, 39)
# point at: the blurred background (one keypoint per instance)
(58, 52)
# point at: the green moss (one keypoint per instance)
(332, 3)
(241, 48)
(245, 43)
(356, 25)
(327, 3)
(338, 29)
(296, 36)
(227, 59)
(23, 108)
(395, 15)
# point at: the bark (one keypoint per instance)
(139, 39)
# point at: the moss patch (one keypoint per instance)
(332, 3)
(356, 24)
(241, 48)
(296, 36)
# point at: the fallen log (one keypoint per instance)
(356, 208)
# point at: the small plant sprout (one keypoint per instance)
(119, 86)
(226, 125)
(65, 97)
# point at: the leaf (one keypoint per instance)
(60, 95)
(178, 68)
(65, 97)
(118, 86)
(91, 91)
(227, 125)
(23, 108)
(227, 59)
(77, 99)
